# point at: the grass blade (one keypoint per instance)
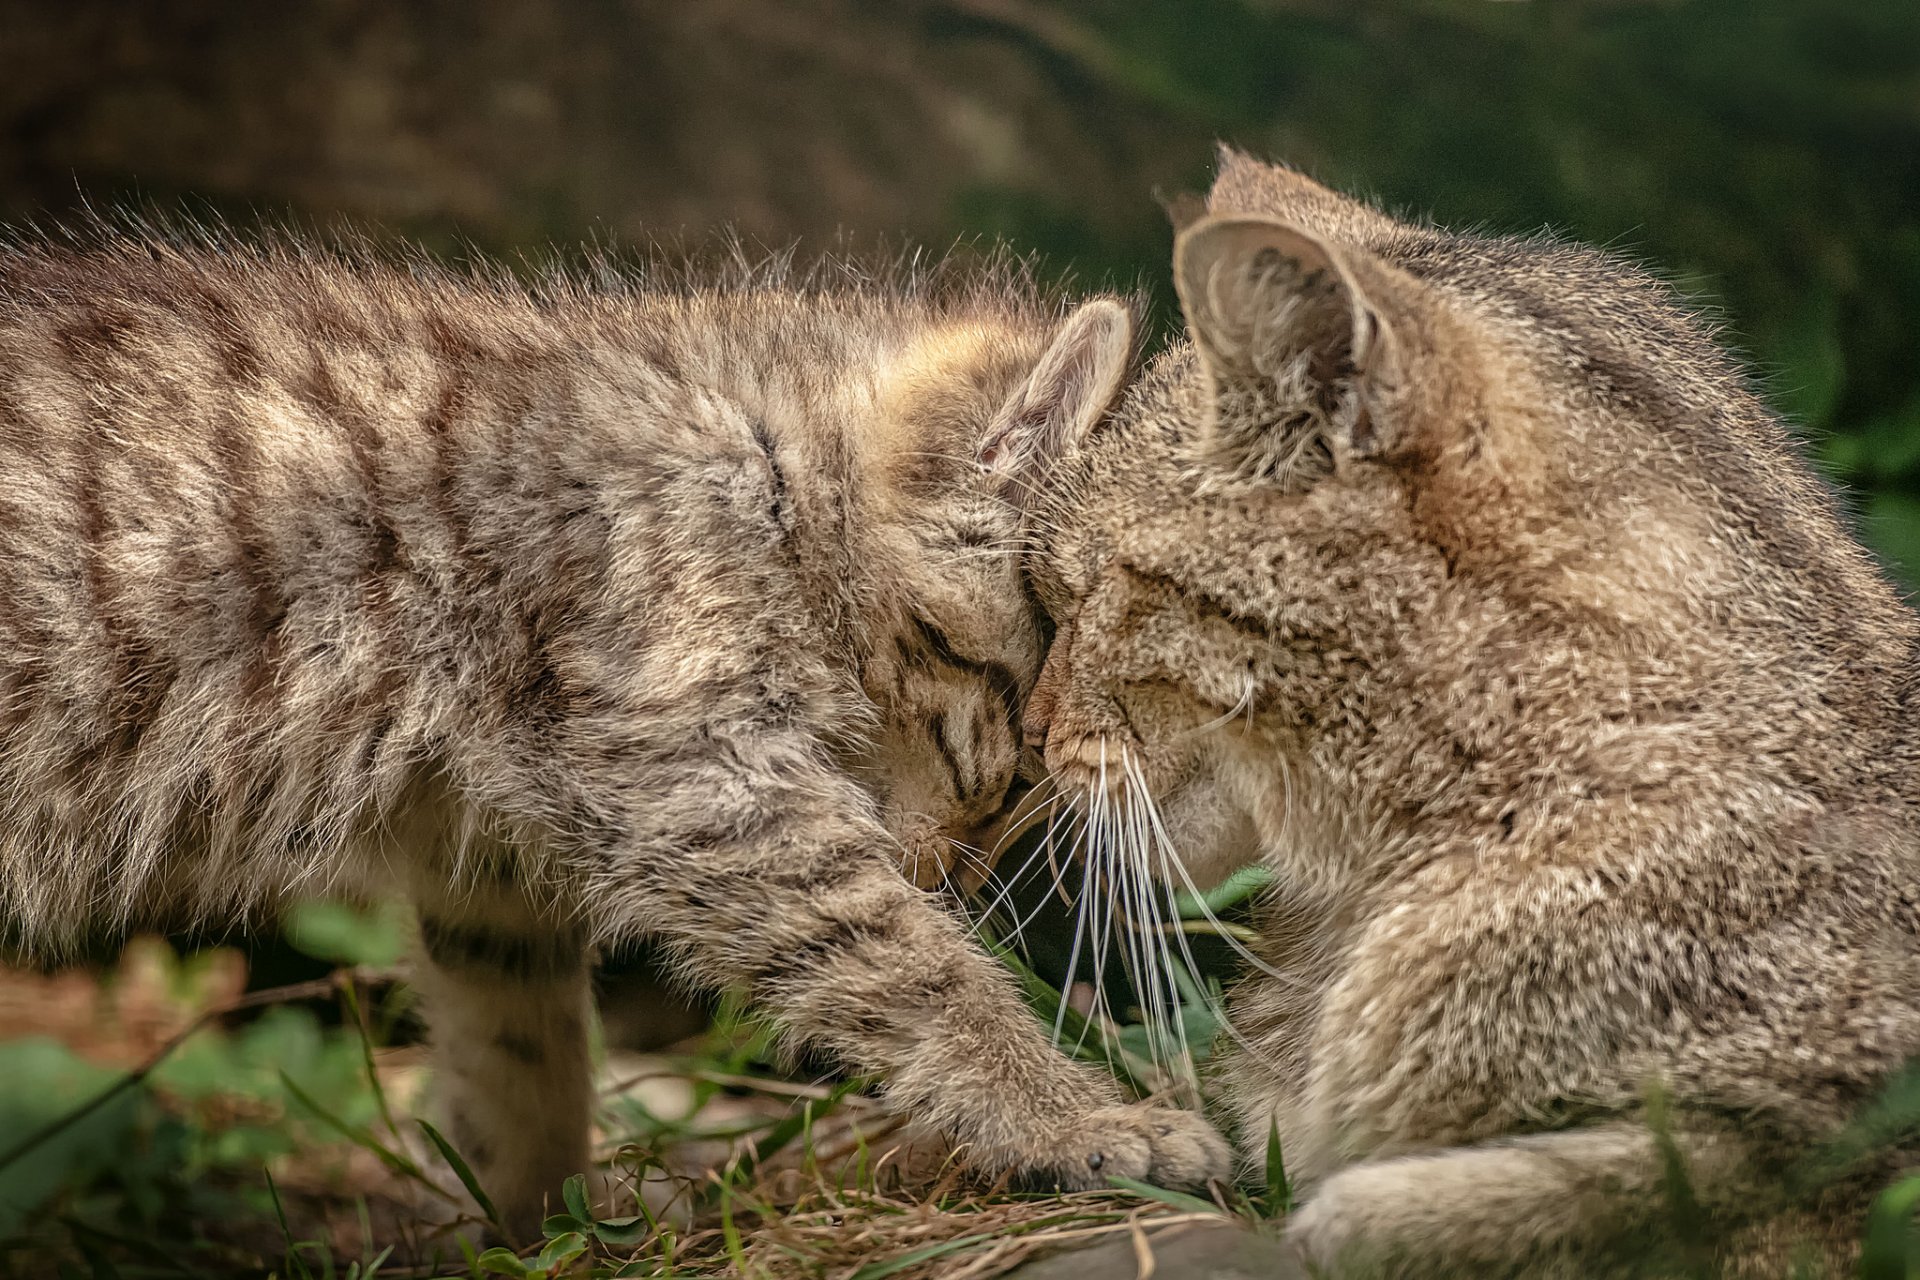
(1178, 1199)
(914, 1257)
(1235, 889)
(296, 1265)
(730, 1230)
(464, 1172)
(394, 1160)
(1279, 1200)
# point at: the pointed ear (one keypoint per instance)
(1070, 389)
(1297, 338)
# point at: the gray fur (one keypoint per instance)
(576, 616)
(1576, 725)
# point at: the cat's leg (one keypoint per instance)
(506, 995)
(1596, 1201)
(1265, 1076)
(761, 867)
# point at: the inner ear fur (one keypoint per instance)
(1073, 385)
(1296, 335)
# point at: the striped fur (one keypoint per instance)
(576, 615)
(1470, 577)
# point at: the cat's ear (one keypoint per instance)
(1294, 333)
(1075, 382)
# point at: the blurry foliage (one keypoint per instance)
(183, 1149)
(1763, 154)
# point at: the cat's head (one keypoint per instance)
(970, 410)
(1384, 448)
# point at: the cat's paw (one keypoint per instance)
(1146, 1143)
(1318, 1233)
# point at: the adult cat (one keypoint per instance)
(1464, 582)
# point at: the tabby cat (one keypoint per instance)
(1465, 584)
(574, 614)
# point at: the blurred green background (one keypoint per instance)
(1763, 153)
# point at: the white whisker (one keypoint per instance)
(1225, 718)
(1171, 859)
(1035, 803)
(1058, 885)
(1101, 846)
(1073, 967)
(1166, 1025)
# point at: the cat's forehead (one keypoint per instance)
(985, 610)
(1136, 456)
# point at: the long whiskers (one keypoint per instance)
(1170, 860)
(1130, 906)
(1119, 895)
(1172, 869)
(1010, 884)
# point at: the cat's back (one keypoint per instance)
(195, 437)
(279, 527)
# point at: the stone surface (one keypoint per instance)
(1199, 1251)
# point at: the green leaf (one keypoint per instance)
(561, 1250)
(1279, 1191)
(1178, 1199)
(502, 1262)
(1200, 1026)
(45, 1086)
(574, 1192)
(561, 1224)
(1236, 888)
(462, 1171)
(1887, 1246)
(624, 1232)
(341, 934)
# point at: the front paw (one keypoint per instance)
(1143, 1142)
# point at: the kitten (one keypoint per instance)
(1464, 582)
(575, 615)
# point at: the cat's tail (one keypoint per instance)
(1608, 1200)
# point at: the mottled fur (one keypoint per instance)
(1465, 583)
(576, 616)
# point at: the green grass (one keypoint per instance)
(267, 1133)
(259, 1137)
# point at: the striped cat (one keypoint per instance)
(1464, 584)
(575, 615)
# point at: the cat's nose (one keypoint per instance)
(1037, 717)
